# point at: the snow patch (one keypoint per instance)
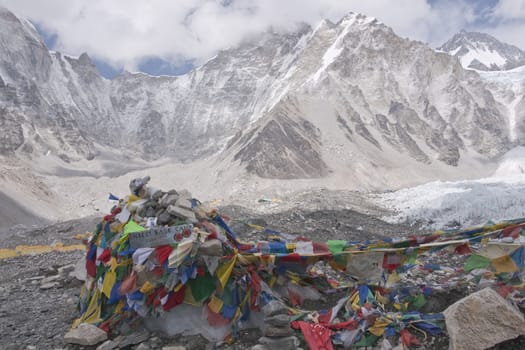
(335, 49)
(483, 55)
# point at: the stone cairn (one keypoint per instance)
(277, 331)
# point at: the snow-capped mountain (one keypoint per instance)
(356, 97)
(350, 99)
(483, 52)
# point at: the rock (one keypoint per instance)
(173, 347)
(278, 320)
(163, 218)
(259, 347)
(49, 285)
(143, 346)
(35, 278)
(274, 307)
(50, 279)
(79, 272)
(481, 320)
(285, 343)
(85, 334)
(272, 331)
(66, 269)
(184, 203)
(168, 200)
(181, 212)
(211, 247)
(107, 345)
(133, 338)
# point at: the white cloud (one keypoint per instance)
(124, 32)
(506, 21)
(510, 9)
(510, 33)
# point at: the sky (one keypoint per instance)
(171, 37)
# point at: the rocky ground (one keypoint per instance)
(38, 293)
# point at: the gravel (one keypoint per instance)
(37, 308)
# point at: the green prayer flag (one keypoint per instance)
(368, 340)
(132, 226)
(202, 287)
(100, 271)
(418, 302)
(411, 259)
(476, 262)
(336, 245)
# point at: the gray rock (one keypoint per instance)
(481, 320)
(259, 347)
(168, 200)
(35, 278)
(182, 213)
(212, 247)
(163, 218)
(66, 269)
(50, 279)
(133, 338)
(174, 347)
(107, 345)
(143, 346)
(49, 285)
(272, 331)
(273, 308)
(79, 272)
(285, 343)
(85, 334)
(278, 320)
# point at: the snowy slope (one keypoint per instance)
(508, 88)
(347, 105)
(483, 52)
(463, 203)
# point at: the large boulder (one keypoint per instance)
(481, 320)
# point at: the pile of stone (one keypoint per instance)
(277, 331)
(166, 208)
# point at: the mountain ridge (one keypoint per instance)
(483, 52)
(343, 97)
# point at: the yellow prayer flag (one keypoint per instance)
(120, 305)
(92, 314)
(215, 304)
(147, 288)
(109, 281)
(132, 198)
(378, 327)
(504, 264)
(224, 271)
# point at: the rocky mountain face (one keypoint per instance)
(349, 95)
(358, 87)
(502, 69)
(483, 52)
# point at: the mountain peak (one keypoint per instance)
(354, 18)
(482, 51)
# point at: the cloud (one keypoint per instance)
(124, 33)
(510, 9)
(506, 21)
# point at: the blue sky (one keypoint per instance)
(170, 37)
